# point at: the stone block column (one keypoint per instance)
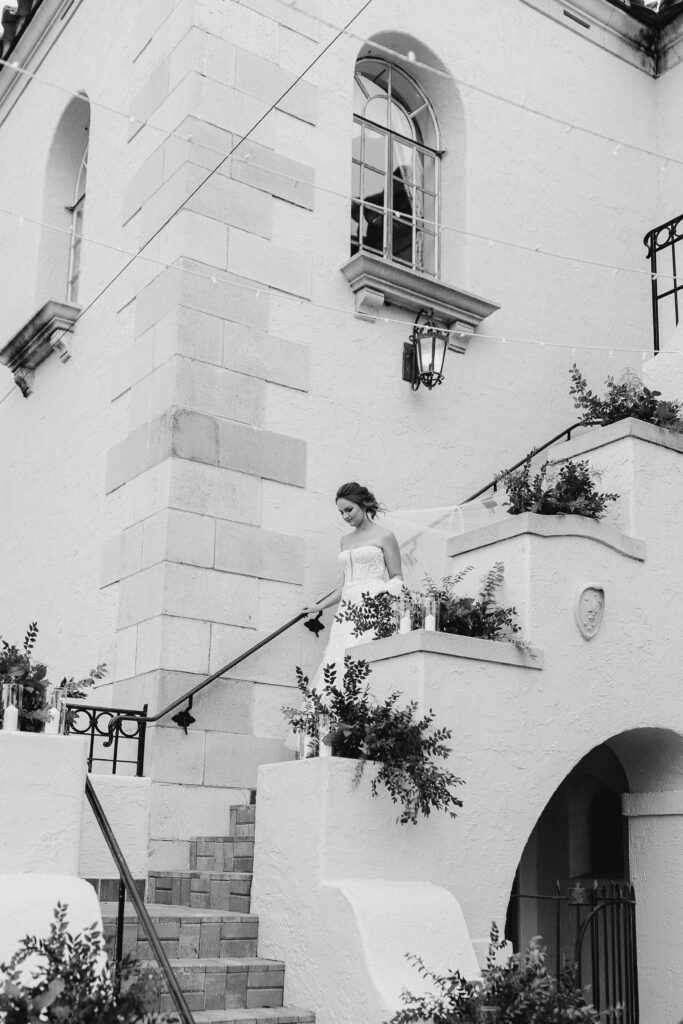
(198, 570)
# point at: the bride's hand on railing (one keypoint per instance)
(310, 609)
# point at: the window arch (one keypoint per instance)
(396, 158)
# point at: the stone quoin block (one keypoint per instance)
(166, 200)
(135, 362)
(235, 21)
(225, 705)
(195, 436)
(214, 491)
(148, 99)
(271, 664)
(266, 81)
(189, 333)
(171, 642)
(288, 270)
(131, 549)
(177, 536)
(141, 596)
(196, 237)
(197, 593)
(219, 392)
(263, 355)
(228, 296)
(262, 453)
(274, 173)
(175, 757)
(127, 459)
(144, 183)
(305, 23)
(257, 552)
(234, 203)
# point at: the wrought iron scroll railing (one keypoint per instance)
(127, 887)
(127, 749)
(661, 244)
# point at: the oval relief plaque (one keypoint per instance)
(589, 608)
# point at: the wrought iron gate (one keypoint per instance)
(595, 934)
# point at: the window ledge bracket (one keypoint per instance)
(44, 333)
(377, 284)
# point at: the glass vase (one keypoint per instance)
(10, 706)
(431, 613)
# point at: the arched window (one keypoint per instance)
(395, 207)
(76, 236)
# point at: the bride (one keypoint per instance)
(370, 560)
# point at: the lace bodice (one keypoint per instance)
(363, 565)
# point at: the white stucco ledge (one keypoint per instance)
(27, 904)
(42, 781)
(530, 523)
(377, 283)
(425, 641)
(647, 805)
(126, 802)
(600, 437)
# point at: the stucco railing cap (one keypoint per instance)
(390, 284)
(600, 437)
(425, 641)
(532, 524)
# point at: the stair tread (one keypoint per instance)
(170, 911)
(268, 1015)
(224, 838)
(229, 963)
(197, 873)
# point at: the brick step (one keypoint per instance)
(213, 983)
(185, 932)
(216, 890)
(279, 1015)
(222, 853)
(242, 819)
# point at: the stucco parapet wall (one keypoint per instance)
(425, 641)
(376, 283)
(646, 805)
(531, 524)
(44, 333)
(600, 437)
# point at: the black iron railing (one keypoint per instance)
(594, 935)
(184, 718)
(661, 243)
(127, 887)
(93, 721)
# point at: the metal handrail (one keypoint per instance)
(129, 883)
(184, 718)
(493, 485)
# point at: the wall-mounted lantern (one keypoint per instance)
(425, 352)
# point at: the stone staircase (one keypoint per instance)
(203, 921)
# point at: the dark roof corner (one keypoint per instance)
(15, 16)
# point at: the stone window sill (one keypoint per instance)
(44, 333)
(377, 283)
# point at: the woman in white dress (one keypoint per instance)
(371, 563)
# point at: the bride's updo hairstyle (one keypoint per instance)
(360, 495)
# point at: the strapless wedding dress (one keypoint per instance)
(365, 572)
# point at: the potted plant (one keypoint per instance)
(627, 397)
(568, 489)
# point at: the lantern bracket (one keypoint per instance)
(413, 371)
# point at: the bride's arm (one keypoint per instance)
(325, 602)
(392, 557)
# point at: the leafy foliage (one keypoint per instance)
(71, 985)
(567, 490)
(479, 616)
(624, 398)
(520, 986)
(403, 748)
(18, 666)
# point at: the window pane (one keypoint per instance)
(355, 181)
(374, 185)
(375, 149)
(372, 226)
(402, 240)
(402, 161)
(401, 196)
(425, 251)
(400, 122)
(425, 207)
(376, 111)
(425, 170)
(355, 221)
(355, 145)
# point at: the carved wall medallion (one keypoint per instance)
(589, 608)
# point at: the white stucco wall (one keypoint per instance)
(42, 780)
(126, 803)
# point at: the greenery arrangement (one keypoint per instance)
(625, 397)
(403, 748)
(479, 616)
(18, 666)
(566, 490)
(520, 987)
(71, 985)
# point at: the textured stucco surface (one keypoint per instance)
(126, 803)
(42, 780)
